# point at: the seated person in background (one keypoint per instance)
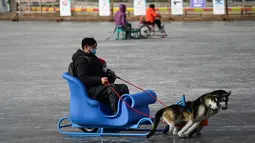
(121, 20)
(151, 16)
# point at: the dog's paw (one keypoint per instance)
(180, 134)
(175, 132)
(170, 131)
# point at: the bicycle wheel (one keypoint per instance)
(145, 31)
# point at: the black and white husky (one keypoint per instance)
(193, 113)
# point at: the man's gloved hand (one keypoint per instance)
(104, 80)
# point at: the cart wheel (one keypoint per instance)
(145, 31)
(91, 130)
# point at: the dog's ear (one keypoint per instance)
(228, 93)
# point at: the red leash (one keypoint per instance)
(108, 84)
(143, 91)
(203, 123)
(137, 111)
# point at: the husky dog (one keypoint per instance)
(193, 113)
(223, 100)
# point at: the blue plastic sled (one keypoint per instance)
(89, 113)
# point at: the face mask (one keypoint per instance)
(93, 51)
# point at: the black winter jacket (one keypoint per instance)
(90, 71)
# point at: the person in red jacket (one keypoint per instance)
(151, 16)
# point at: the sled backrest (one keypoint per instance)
(78, 92)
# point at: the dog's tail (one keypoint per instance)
(156, 121)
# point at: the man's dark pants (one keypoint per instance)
(158, 23)
(108, 96)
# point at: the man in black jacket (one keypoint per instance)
(89, 70)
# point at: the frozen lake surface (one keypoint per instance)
(195, 58)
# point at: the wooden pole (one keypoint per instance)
(40, 2)
(226, 8)
(13, 6)
(14, 10)
(28, 4)
(53, 6)
(170, 13)
(112, 6)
